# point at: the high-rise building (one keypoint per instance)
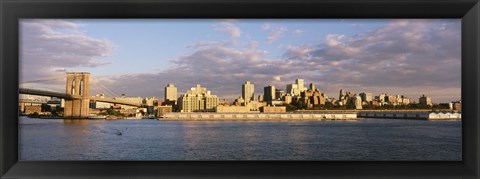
(170, 93)
(248, 92)
(366, 97)
(391, 99)
(301, 84)
(381, 97)
(296, 88)
(279, 94)
(292, 89)
(425, 100)
(342, 98)
(357, 100)
(260, 98)
(341, 94)
(197, 99)
(399, 99)
(287, 99)
(269, 93)
(152, 101)
(312, 97)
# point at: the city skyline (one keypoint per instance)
(271, 89)
(408, 57)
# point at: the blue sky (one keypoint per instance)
(140, 56)
(148, 45)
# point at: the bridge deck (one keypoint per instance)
(68, 96)
(44, 93)
(111, 100)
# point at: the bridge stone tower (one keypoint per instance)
(77, 86)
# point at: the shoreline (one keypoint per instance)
(279, 120)
(290, 116)
(276, 120)
(293, 119)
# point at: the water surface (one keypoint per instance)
(369, 139)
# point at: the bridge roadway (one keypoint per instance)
(44, 93)
(114, 101)
(68, 96)
(32, 101)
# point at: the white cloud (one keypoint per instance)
(399, 54)
(298, 32)
(409, 57)
(220, 67)
(277, 78)
(51, 47)
(334, 40)
(266, 26)
(402, 57)
(229, 27)
(275, 34)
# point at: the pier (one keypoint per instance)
(425, 115)
(259, 116)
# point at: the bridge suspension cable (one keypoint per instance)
(100, 87)
(107, 89)
(43, 80)
(94, 89)
(103, 89)
(100, 90)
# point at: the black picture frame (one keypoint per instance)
(12, 10)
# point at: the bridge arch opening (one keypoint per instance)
(80, 91)
(73, 86)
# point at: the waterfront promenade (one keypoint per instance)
(318, 115)
(410, 115)
(259, 116)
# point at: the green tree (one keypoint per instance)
(34, 115)
(111, 112)
(329, 105)
(350, 105)
(290, 107)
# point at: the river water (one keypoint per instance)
(368, 139)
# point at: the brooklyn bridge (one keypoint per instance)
(76, 96)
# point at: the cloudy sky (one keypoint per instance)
(140, 57)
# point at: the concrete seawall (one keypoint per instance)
(258, 116)
(411, 115)
(330, 115)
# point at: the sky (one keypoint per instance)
(139, 57)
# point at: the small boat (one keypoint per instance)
(151, 117)
(119, 132)
(97, 117)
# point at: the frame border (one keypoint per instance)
(13, 10)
